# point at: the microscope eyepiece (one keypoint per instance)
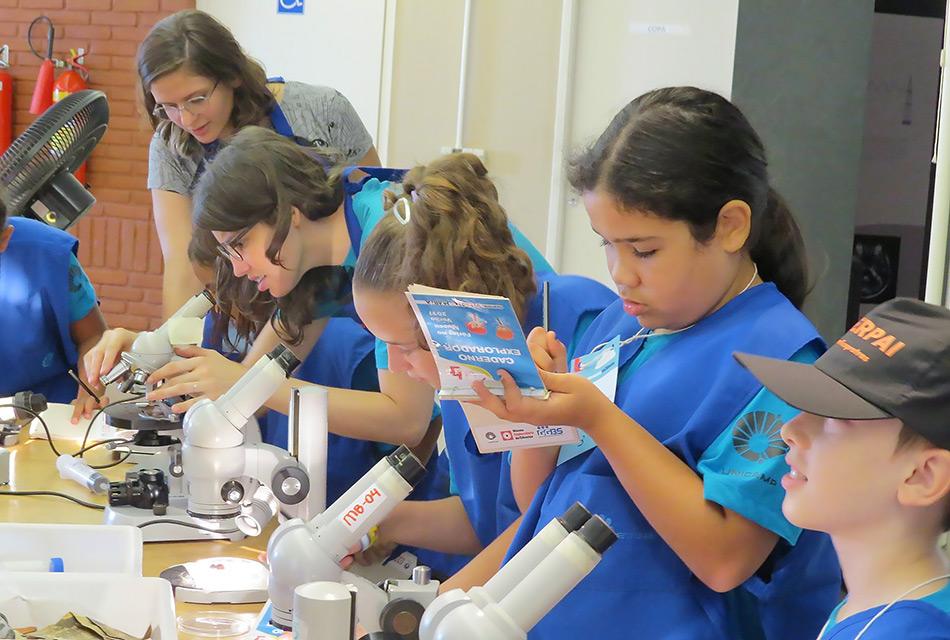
(597, 534)
(407, 465)
(575, 517)
(285, 358)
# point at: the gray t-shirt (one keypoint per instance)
(320, 115)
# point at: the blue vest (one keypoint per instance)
(36, 350)
(484, 480)
(685, 395)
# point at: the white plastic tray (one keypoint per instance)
(86, 548)
(128, 603)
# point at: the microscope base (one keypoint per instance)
(167, 530)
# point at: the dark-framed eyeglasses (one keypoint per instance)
(229, 250)
(195, 106)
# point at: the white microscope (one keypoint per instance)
(154, 444)
(506, 608)
(300, 552)
(232, 487)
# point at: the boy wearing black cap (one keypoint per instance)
(870, 465)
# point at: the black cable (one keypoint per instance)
(38, 417)
(191, 525)
(55, 494)
(85, 438)
(84, 448)
(49, 38)
(109, 465)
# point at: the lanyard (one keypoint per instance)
(891, 604)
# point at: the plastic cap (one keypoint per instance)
(575, 517)
(56, 565)
(597, 534)
(407, 465)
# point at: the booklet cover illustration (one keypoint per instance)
(472, 336)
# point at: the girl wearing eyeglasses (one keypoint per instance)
(199, 89)
(278, 227)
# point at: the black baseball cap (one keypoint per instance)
(893, 363)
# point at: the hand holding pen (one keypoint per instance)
(548, 352)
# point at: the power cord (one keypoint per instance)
(55, 494)
(190, 525)
(84, 448)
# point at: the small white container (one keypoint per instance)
(84, 548)
(129, 603)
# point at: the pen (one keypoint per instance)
(545, 308)
(82, 384)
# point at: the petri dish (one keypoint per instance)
(213, 624)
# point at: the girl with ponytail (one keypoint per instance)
(283, 233)
(685, 461)
(448, 230)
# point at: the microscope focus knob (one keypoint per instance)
(401, 618)
(232, 492)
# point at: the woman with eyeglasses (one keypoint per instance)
(278, 224)
(199, 89)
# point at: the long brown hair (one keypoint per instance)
(457, 237)
(258, 178)
(194, 41)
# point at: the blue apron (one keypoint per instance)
(36, 349)
(484, 480)
(685, 395)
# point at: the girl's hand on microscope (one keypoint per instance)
(99, 360)
(203, 373)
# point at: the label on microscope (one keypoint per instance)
(362, 508)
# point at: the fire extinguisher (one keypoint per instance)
(6, 101)
(70, 81)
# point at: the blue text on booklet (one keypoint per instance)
(472, 336)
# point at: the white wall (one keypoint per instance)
(336, 43)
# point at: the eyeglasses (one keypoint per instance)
(229, 250)
(195, 106)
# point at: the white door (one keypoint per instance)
(623, 48)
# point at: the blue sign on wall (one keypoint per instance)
(289, 6)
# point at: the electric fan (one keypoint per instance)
(36, 172)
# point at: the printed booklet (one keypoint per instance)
(472, 336)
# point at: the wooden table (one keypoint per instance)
(33, 467)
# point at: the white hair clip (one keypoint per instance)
(405, 215)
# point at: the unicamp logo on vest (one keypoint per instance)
(757, 436)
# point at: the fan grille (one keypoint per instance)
(61, 139)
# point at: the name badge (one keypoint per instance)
(600, 367)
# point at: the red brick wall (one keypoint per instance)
(119, 246)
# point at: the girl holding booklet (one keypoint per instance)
(449, 231)
(685, 462)
(281, 226)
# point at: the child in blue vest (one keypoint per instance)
(283, 227)
(684, 460)
(448, 230)
(870, 465)
(48, 313)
